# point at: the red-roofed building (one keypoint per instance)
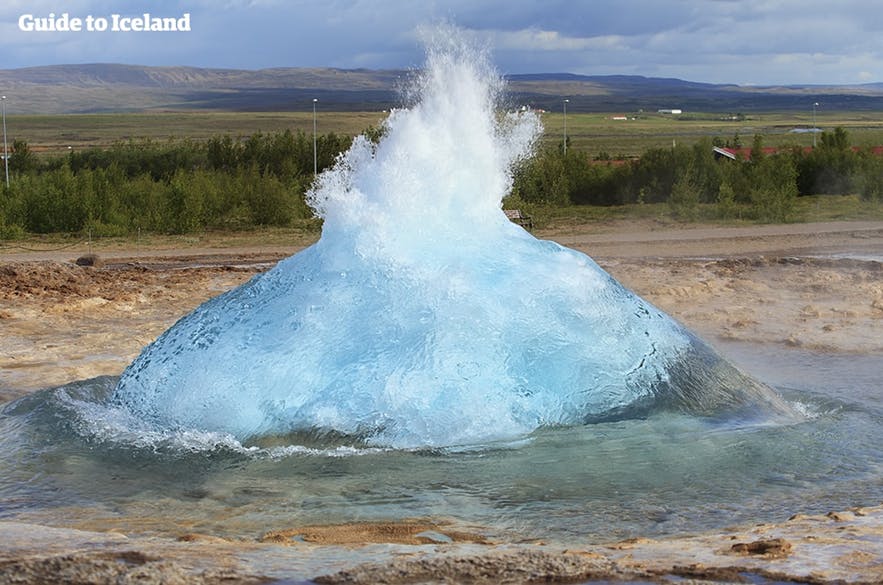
(745, 152)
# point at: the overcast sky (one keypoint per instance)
(762, 42)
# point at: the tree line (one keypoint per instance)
(225, 183)
(760, 186)
(166, 187)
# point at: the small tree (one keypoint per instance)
(757, 154)
(726, 201)
(22, 159)
(184, 209)
(869, 179)
(685, 194)
(773, 189)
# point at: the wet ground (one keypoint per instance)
(779, 301)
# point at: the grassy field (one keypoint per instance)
(55, 134)
(597, 133)
(591, 133)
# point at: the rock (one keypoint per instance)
(92, 260)
(114, 567)
(362, 533)
(628, 543)
(203, 538)
(844, 516)
(496, 569)
(772, 548)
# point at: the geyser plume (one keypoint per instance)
(422, 316)
(435, 183)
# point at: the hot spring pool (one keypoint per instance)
(64, 463)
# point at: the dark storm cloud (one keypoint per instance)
(745, 41)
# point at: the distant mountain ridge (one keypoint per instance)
(108, 87)
(195, 77)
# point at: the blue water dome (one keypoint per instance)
(423, 317)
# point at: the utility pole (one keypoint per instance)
(315, 156)
(5, 149)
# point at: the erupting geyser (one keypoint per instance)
(423, 317)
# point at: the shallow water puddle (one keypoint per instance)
(62, 464)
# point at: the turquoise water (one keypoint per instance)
(61, 463)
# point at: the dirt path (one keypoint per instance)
(654, 240)
(617, 239)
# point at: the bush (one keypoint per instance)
(542, 180)
(173, 187)
(869, 179)
(773, 189)
(726, 201)
(685, 195)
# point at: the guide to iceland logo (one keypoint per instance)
(64, 22)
